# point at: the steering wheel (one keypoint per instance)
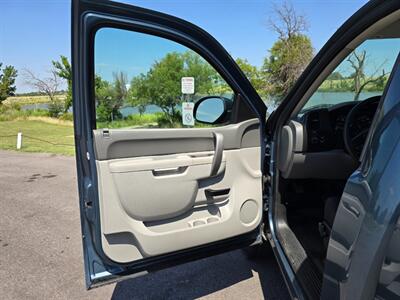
(357, 124)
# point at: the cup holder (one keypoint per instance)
(203, 221)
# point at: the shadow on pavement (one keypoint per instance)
(206, 276)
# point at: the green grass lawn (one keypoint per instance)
(61, 137)
(51, 135)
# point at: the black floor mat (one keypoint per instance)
(304, 223)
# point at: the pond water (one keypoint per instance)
(318, 98)
(35, 106)
(125, 111)
(332, 98)
(131, 110)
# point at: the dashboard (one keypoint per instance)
(324, 126)
(325, 142)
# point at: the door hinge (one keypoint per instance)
(266, 202)
(88, 195)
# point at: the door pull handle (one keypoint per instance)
(218, 152)
(169, 171)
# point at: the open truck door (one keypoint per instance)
(154, 197)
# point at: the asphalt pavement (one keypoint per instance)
(41, 251)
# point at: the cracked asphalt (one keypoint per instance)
(41, 254)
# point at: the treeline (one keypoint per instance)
(347, 84)
(287, 58)
(35, 94)
(160, 85)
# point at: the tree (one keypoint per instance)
(161, 85)
(253, 74)
(290, 54)
(7, 82)
(207, 80)
(335, 76)
(288, 59)
(64, 70)
(287, 23)
(357, 62)
(138, 88)
(120, 86)
(335, 80)
(48, 86)
(110, 97)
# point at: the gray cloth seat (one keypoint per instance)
(330, 209)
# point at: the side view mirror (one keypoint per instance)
(212, 110)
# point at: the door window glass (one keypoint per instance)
(361, 75)
(145, 81)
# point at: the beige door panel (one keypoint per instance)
(128, 143)
(160, 204)
(168, 185)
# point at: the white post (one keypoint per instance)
(19, 140)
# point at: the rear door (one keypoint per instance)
(169, 142)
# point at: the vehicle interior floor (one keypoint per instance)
(304, 201)
(304, 224)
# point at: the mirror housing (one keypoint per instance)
(212, 110)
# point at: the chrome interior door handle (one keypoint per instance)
(218, 152)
